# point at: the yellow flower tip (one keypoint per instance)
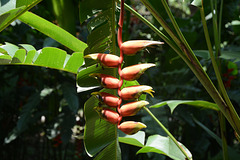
(131, 127)
(150, 91)
(94, 75)
(93, 56)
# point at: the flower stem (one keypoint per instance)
(168, 133)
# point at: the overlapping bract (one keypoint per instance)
(129, 73)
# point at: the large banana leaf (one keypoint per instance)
(47, 57)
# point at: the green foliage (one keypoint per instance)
(47, 57)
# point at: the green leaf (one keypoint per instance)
(164, 145)
(84, 80)
(231, 55)
(13, 9)
(135, 139)
(90, 7)
(70, 94)
(108, 153)
(202, 53)
(51, 57)
(53, 31)
(174, 103)
(197, 3)
(74, 62)
(98, 133)
(48, 57)
(19, 56)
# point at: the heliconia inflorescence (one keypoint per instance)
(129, 73)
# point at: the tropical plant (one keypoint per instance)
(101, 138)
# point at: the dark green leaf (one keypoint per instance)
(70, 94)
(98, 133)
(90, 7)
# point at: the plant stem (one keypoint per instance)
(228, 110)
(168, 133)
(222, 122)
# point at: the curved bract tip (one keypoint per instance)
(133, 46)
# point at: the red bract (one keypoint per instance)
(134, 92)
(131, 109)
(108, 60)
(131, 127)
(134, 72)
(108, 114)
(107, 98)
(107, 81)
(131, 47)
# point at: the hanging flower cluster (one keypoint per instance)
(130, 73)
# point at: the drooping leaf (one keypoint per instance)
(47, 57)
(174, 103)
(98, 133)
(135, 139)
(12, 9)
(53, 31)
(164, 145)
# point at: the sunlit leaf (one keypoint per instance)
(164, 145)
(47, 57)
(197, 3)
(53, 31)
(135, 139)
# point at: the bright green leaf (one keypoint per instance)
(10, 48)
(30, 56)
(135, 139)
(53, 31)
(164, 145)
(5, 59)
(74, 62)
(51, 57)
(174, 103)
(19, 56)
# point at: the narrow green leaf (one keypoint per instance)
(135, 140)
(74, 62)
(174, 103)
(98, 133)
(164, 145)
(52, 57)
(19, 56)
(53, 31)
